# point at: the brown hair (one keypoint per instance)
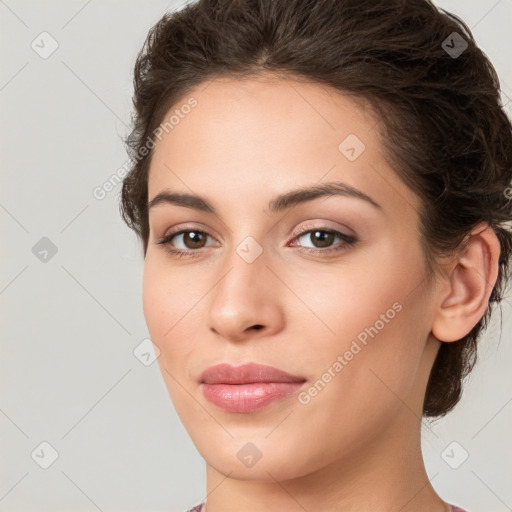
(447, 135)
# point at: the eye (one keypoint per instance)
(192, 239)
(322, 239)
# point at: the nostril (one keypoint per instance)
(257, 326)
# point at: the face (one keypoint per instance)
(331, 289)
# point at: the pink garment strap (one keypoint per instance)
(199, 508)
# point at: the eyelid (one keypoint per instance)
(186, 227)
(325, 225)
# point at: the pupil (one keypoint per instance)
(194, 236)
(325, 236)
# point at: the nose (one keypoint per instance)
(246, 301)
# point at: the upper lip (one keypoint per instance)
(246, 373)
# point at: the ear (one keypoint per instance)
(467, 285)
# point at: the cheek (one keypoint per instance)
(171, 309)
(162, 302)
(378, 321)
(163, 308)
(359, 387)
(153, 300)
(355, 305)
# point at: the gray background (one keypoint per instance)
(70, 324)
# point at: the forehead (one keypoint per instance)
(266, 109)
(268, 133)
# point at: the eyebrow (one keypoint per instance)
(279, 203)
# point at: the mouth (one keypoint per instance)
(248, 387)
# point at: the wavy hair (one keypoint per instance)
(438, 101)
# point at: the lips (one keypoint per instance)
(247, 388)
(246, 374)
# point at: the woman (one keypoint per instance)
(321, 189)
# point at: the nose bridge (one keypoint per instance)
(245, 267)
(246, 245)
(243, 296)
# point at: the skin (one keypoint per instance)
(356, 444)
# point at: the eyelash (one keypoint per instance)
(348, 240)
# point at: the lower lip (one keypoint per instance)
(248, 397)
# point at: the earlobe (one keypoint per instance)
(469, 284)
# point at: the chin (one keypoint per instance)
(261, 471)
(259, 459)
